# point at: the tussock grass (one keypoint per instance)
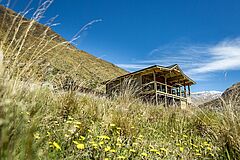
(43, 124)
(40, 123)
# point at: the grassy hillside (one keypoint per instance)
(31, 49)
(40, 124)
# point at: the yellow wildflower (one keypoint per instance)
(140, 136)
(66, 135)
(104, 137)
(75, 142)
(71, 131)
(80, 146)
(112, 125)
(69, 122)
(181, 149)
(144, 154)
(82, 138)
(106, 158)
(69, 117)
(101, 143)
(121, 157)
(36, 136)
(198, 154)
(194, 145)
(119, 140)
(211, 154)
(94, 145)
(206, 144)
(107, 149)
(158, 153)
(113, 151)
(178, 144)
(119, 144)
(163, 149)
(132, 150)
(78, 123)
(208, 148)
(56, 145)
(153, 150)
(76, 126)
(48, 133)
(52, 146)
(185, 136)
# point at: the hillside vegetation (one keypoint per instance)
(46, 56)
(40, 124)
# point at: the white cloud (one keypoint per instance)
(198, 61)
(223, 56)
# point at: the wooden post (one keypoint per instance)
(180, 91)
(155, 87)
(189, 91)
(165, 81)
(185, 90)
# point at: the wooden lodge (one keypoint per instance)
(158, 84)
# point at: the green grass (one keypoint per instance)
(40, 124)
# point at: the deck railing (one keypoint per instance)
(163, 89)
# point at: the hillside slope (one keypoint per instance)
(35, 49)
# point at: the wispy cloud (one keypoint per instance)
(199, 61)
(223, 56)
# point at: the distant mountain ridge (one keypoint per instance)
(230, 96)
(198, 98)
(54, 63)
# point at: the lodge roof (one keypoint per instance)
(176, 73)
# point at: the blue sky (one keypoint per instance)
(202, 36)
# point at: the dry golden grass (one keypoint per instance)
(43, 124)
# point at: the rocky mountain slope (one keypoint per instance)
(230, 96)
(198, 98)
(35, 49)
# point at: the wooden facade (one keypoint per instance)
(158, 84)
